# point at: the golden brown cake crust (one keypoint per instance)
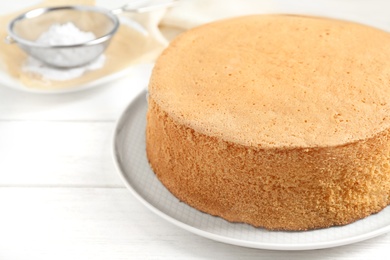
(279, 189)
(286, 127)
(278, 81)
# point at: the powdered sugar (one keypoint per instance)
(64, 34)
(52, 73)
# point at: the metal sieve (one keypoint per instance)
(25, 29)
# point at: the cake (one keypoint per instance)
(277, 121)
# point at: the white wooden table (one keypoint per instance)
(61, 197)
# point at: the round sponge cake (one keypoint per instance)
(278, 121)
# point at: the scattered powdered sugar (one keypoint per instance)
(64, 34)
(52, 73)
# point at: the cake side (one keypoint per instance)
(278, 81)
(278, 189)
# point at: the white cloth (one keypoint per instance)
(191, 13)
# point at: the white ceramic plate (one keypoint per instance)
(8, 81)
(131, 161)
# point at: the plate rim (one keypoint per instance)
(227, 240)
(72, 89)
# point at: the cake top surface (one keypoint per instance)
(277, 81)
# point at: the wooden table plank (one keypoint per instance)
(109, 223)
(39, 153)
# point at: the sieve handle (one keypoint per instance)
(9, 40)
(143, 9)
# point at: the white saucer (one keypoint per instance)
(8, 81)
(131, 161)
